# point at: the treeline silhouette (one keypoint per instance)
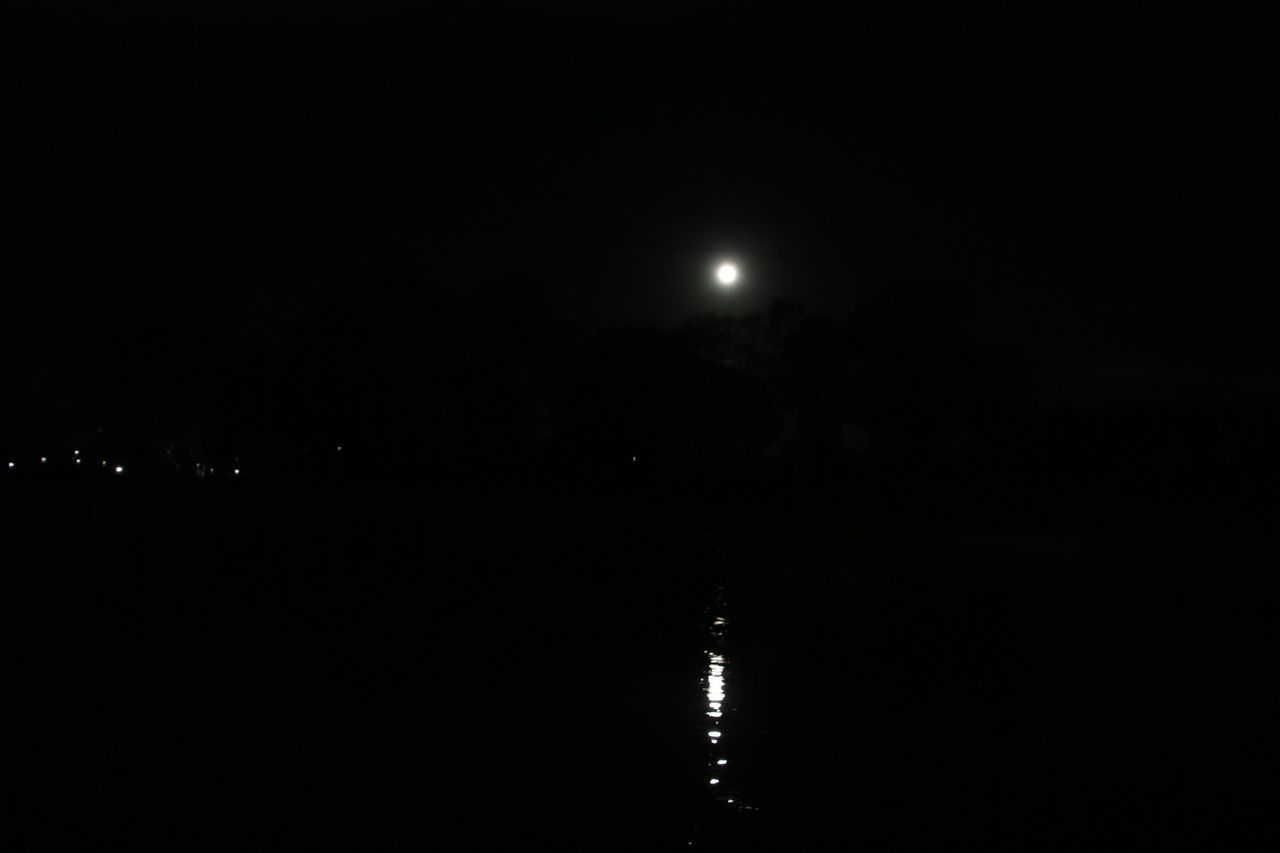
(897, 404)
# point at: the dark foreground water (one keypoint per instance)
(239, 670)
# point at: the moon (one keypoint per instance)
(726, 274)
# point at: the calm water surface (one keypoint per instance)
(393, 675)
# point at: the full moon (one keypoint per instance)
(726, 274)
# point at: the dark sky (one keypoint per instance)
(1105, 185)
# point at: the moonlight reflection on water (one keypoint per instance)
(719, 710)
(723, 807)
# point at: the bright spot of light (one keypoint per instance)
(723, 761)
(236, 471)
(10, 464)
(713, 734)
(43, 459)
(714, 714)
(76, 452)
(714, 781)
(726, 274)
(119, 469)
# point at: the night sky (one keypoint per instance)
(1105, 186)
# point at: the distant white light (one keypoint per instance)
(104, 463)
(10, 464)
(726, 274)
(633, 459)
(119, 469)
(236, 472)
(339, 448)
(77, 461)
(723, 761)
(76, 452)
(714, 781)
(43, 459)
(713, 734)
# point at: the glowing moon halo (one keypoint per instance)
(726, 274)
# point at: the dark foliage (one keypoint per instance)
(901, 403)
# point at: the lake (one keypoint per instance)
(208, 668)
